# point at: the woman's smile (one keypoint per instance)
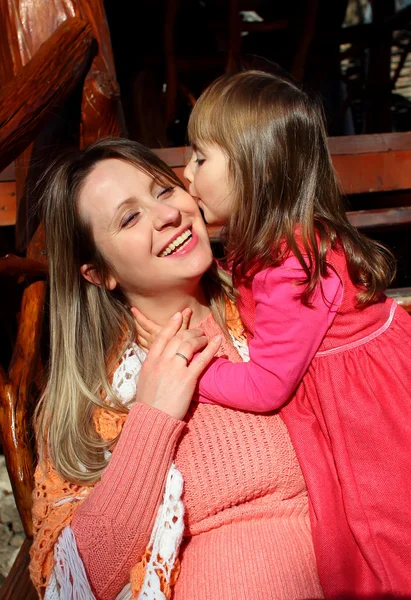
(179, 244)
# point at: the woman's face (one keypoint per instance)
(152, 234)
(210, 182)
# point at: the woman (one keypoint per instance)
(108, 504)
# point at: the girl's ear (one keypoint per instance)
(89, 272)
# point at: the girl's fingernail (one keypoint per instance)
(218, 338)
(176, 316)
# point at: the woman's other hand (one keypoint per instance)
(169, 374)
(148, 330)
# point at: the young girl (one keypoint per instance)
(325, 343)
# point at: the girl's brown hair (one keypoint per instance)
(274, 136)
(86, 321)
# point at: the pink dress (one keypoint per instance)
(349, 417)
(350, 423)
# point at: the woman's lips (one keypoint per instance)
(192, 243)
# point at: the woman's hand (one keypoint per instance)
(167, 380)
(148, 330)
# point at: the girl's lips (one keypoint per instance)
(187, 248)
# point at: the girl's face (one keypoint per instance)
(152, 234)
(210, 182)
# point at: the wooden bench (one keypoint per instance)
(365, 164)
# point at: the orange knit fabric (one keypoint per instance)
(52, 512)
(54, 502)
(53, 505)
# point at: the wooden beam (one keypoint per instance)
(372, 163)
(382, 217)
(7, 203)
(43, 84)
(18, 266)
(402, 296)
(364, 164)
(9, 173)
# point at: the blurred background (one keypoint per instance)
(354, 52)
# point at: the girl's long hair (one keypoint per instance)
(286, 191)
(86, 321)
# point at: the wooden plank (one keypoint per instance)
(383, 217)
(364, 163)
(369, 143)
(179, 171)
(376, 172)
(345, 144)
(18, 266)
(402, 296)
(42, 85)
(174, 157)
(362, 219)
(7, 203)
(9, 173)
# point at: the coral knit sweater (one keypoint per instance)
(247, 531)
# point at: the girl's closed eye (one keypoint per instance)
(199, 161)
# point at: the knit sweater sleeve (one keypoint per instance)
(113, 525)
(286, 337)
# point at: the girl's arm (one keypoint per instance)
(287, 336)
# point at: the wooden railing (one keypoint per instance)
(364, 164)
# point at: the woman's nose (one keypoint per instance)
(165, 215)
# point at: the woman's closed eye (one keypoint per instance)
(129, 219)
(166, 192)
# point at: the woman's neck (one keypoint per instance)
(161, 309)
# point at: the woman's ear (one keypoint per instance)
(89, 272)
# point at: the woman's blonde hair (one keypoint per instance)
(86, 321)
(274, 136)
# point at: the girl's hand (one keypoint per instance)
(167, 380)
(148, 330)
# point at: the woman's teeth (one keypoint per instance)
(177, 244)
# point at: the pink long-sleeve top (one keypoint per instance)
(247, 534)
(286, 337)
